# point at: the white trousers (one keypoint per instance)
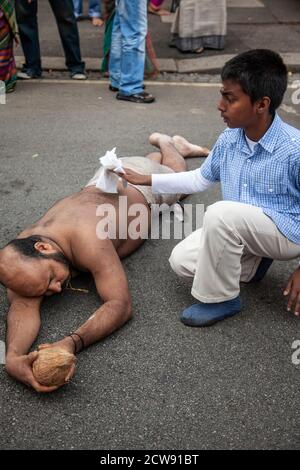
(228, 249)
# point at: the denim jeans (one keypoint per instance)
(67, 26)
(127, 54)
(94, 8)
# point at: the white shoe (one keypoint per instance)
(25, 76)
(79, 76)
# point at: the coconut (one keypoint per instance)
(52, 366)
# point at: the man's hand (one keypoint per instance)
(20, 368)
(293, 291)
(67, 344)
(135, 178)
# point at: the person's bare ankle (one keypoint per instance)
(186, 149)
(157, 139)
(183, 146)
(96, 21)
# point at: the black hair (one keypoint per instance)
(260, 72)
(25, 247)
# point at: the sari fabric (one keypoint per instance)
(199, 23)
(8, 31)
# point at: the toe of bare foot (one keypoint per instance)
(206, 151)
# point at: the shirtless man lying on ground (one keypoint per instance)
(40, 261)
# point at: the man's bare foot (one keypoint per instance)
(96, 21)
(158, 11)
(186, 149)
(157, 139)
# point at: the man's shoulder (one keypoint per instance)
(291, 132)
(290, 141)
(229, 136)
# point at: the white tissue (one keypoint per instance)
(178, 212)
(107, 181)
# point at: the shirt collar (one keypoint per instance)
(268, 140)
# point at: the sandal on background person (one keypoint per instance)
(142, 97)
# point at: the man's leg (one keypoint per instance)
(77, 4)
(115, 53)
(186, 149)
(230, 228)
(168, 155)
(68, 31)
(28, 27)
(133, 24)
(183, 146)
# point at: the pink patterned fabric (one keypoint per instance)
(156, 3)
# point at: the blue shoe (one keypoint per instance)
(261, 270)
(201, 314)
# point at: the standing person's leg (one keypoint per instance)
(133, 25)
(229, 229)
(68, 31)
(95, 12)
(115, 54)
(77, 4)
(26, 14)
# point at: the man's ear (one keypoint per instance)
(44, 247)
(263, 105)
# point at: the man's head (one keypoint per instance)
(33, 266)
(254, 84)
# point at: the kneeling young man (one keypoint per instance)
(256, 160)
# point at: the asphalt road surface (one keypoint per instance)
(154, 384)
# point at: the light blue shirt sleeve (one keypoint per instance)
(210, 169)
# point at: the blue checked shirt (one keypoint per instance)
(268, 178)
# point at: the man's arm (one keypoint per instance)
(23, 324)
(185, 182)
(104, 264)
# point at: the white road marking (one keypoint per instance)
(2, 352)
(245, 4)
(288, 109)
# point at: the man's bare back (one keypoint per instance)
(74, 218)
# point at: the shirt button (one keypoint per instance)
(248, 161)
(245, 185)
(270, 190)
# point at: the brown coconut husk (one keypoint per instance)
(52, 366)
